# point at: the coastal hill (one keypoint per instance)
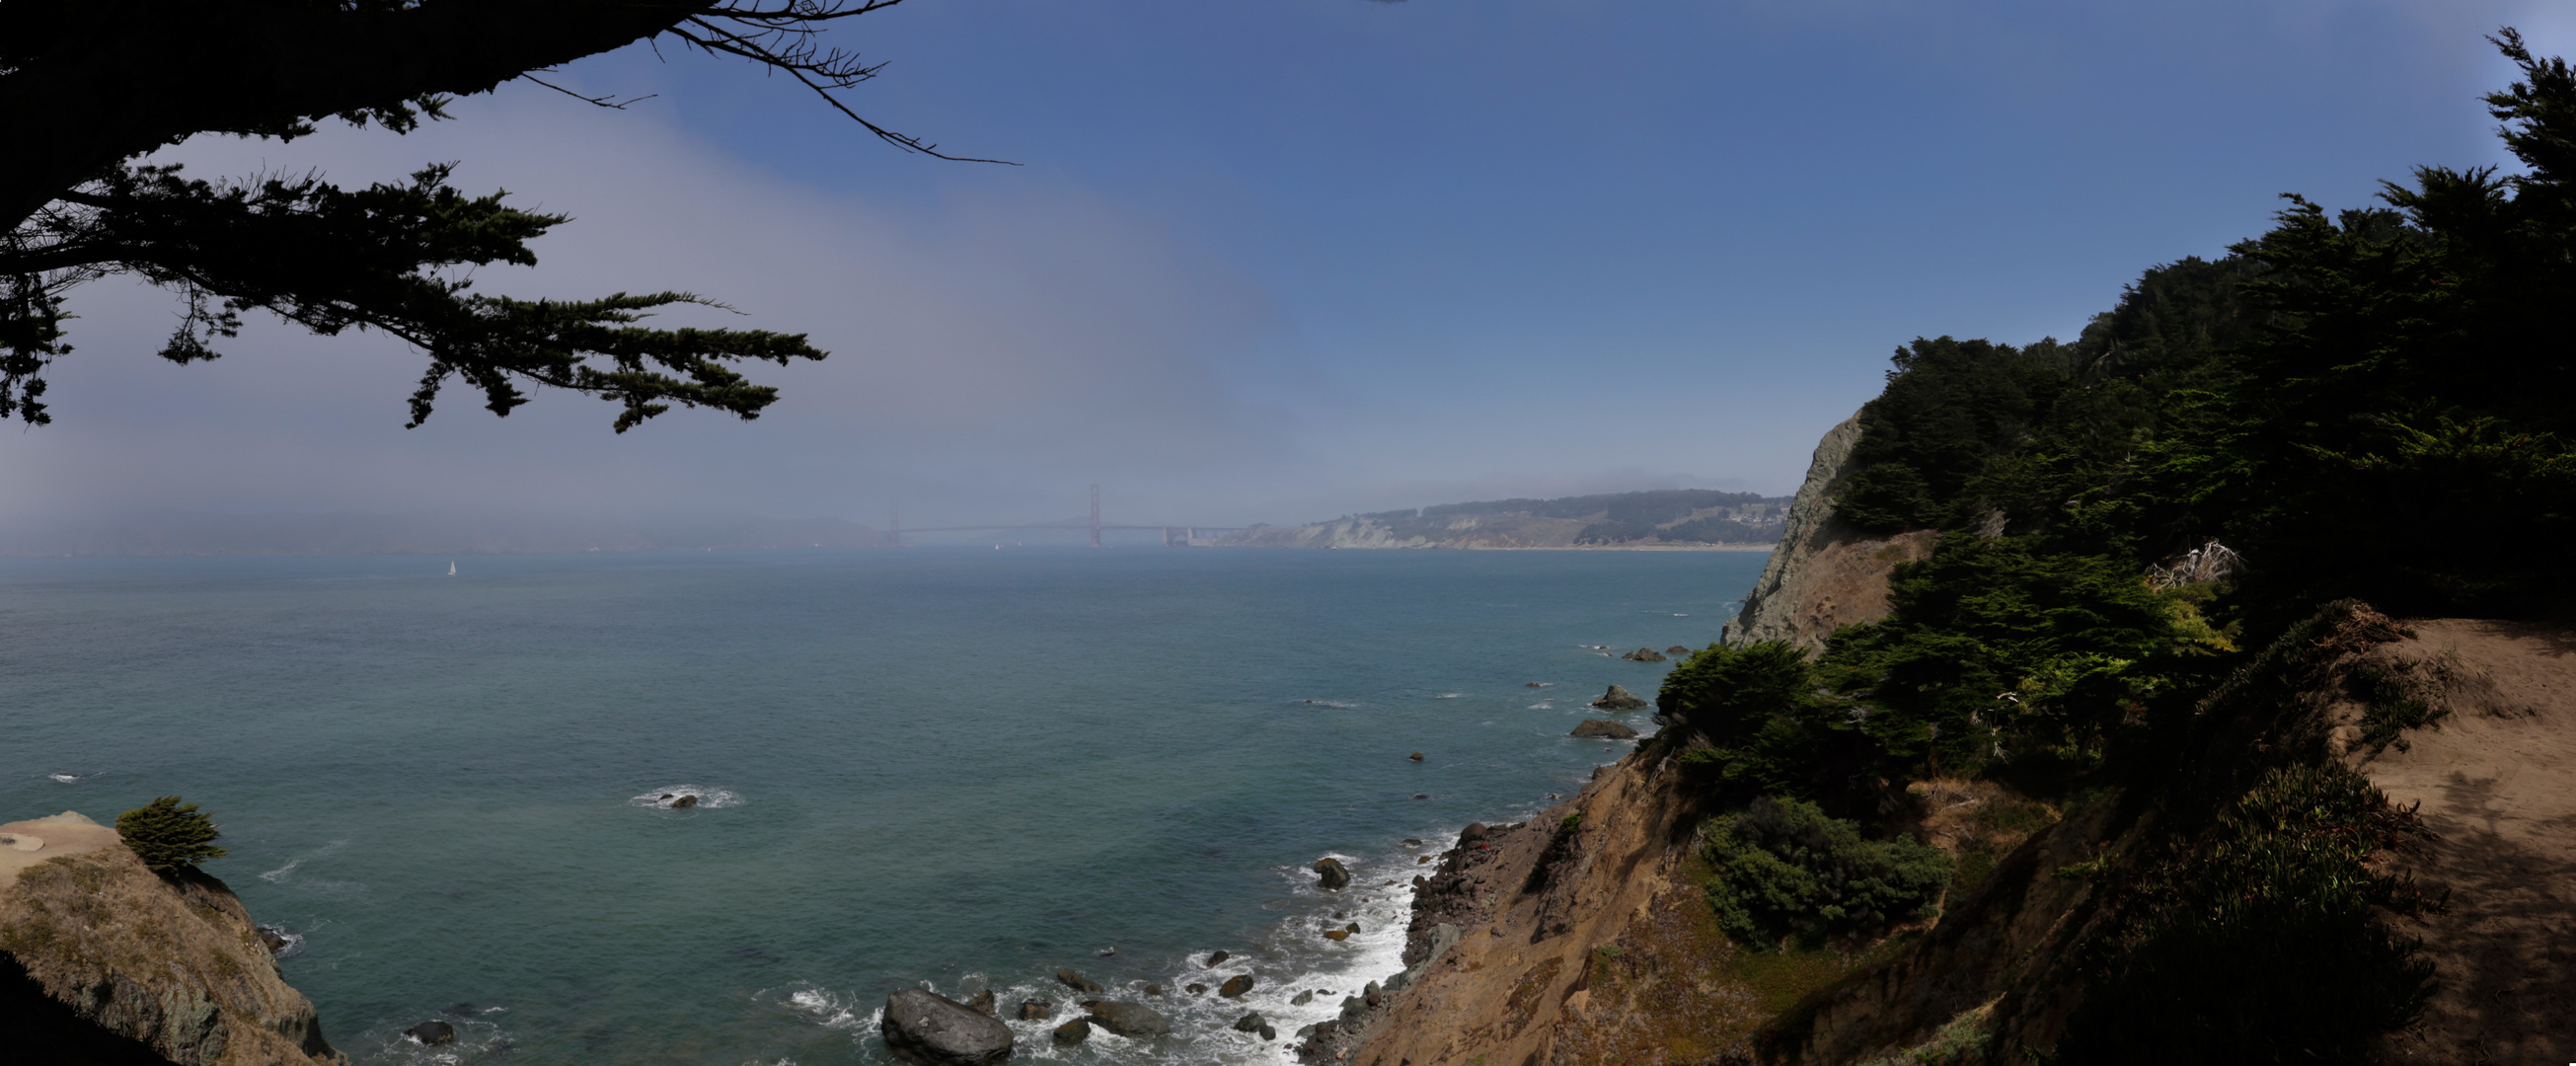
(104, 961)
(2096, 707)
(1666, 518)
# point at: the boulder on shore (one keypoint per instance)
(1604, 728)
(1135, 1021)
(1619, 699)
(1645, 655)
(1331, 873)
(1074, 980)
(943, 1032)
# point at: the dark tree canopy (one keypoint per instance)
(88, 87)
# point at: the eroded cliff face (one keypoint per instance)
(1590, 943)
(101, 960)
(1824, 575)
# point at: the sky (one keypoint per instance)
(1280, 260)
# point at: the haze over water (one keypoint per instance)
(966, 767)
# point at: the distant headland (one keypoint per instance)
(1686, 519)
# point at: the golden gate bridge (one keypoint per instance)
(1173, 536)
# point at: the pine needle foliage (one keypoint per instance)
(168, 835)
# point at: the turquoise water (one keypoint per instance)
(941, 765)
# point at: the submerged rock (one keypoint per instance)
(982, 1003)
(941, 1031)
(1035, 1010)
(1331, 873)
(1073, 1032)
(1236, 986)
(1196, 989)
(1337, 934)
(1619, 699)
(1249, 1023)
(1604, 728)
(1074, 980)
(1416, 756)
(1217, 958)
(1303, 998)
(432, 1034)
(1268, 1033)
(1134, 1021)
(684, 803)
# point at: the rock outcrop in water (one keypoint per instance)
(103, 961)
(939, 1031)
(1604, 728)
(1131, 1020)
(1619, 699)
(1331, 874)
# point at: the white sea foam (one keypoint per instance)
(1448, 695)
(283, 872)
(826, 1008)
(71, 779)
(663, 798)
(294, 941)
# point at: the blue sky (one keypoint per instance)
(1275, 260)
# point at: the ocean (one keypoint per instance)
(945, 767)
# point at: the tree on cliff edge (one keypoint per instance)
(89, 86)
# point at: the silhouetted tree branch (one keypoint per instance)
(89, 86)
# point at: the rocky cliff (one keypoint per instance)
(1585, 937)
(1824, 575)
(1582, 936)
(103, 961)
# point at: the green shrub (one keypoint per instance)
(1752, 715)
(169, 836)
(1783, 869)
(2260, 942)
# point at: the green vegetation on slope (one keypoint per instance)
(2339, 402)
(1784, 870)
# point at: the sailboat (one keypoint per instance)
(451, 568)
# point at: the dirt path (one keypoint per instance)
(2497, 780)
(67, 833)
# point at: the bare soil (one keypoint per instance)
(2496, 776)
